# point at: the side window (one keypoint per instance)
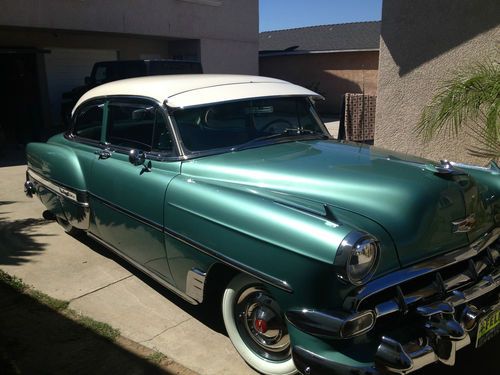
(162, 139)
(88, 122)
(137, 125)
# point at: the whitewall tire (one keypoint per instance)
(256, 326)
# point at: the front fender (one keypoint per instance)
(237, 223)
(488, 180)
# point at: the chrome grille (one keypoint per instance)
(452, 281)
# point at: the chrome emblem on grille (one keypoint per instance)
(465, 225)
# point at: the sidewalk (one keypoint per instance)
(103, 287)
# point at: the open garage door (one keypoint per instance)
(20, 104)
(66, 69)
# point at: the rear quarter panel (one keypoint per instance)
(65, 164)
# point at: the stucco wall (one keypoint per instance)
(422, 43)
(330, 74)
(233, 24)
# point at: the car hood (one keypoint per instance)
(415, 205)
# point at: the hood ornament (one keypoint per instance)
(465, 225)
(444, 167)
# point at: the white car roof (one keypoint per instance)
(187, 90)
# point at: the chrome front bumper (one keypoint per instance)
(440, 301)
(445, 335)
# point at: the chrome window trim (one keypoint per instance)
(141, 100)
(88, 103)
(189, 154)
(429, 266)
(175, 155)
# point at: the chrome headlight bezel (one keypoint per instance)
(352, 243)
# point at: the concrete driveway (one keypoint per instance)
(101, 286)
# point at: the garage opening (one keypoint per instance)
(66, 69)
(20, 105)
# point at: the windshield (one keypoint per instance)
(247, 122)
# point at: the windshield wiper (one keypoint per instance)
(290, 132)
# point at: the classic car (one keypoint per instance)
(329, 257)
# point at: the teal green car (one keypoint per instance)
(328, 257)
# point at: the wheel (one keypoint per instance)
(256, 326)
(68, 228)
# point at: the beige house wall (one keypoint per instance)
(231, 26)
(422, 43)
(330, 74)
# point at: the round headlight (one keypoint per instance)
(357, 258)
(363, 259)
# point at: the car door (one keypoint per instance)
(128, 199)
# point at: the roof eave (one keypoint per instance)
(313, 52)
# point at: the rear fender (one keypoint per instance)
(59, 181)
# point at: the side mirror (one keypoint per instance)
(136, 157)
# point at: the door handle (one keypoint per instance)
(103, 154)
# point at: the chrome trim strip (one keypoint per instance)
(143, 269)
(326, 216)
(59, 189)
(432, 265)
(195, 284)
(130, 214)
(281, 284)
(493, 167)
(486, 285)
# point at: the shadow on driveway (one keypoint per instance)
(208, 313)
(34, 339)
(19, 238)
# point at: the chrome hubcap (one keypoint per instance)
(261, 325)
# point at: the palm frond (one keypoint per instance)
(471, 95)
(488, 144)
